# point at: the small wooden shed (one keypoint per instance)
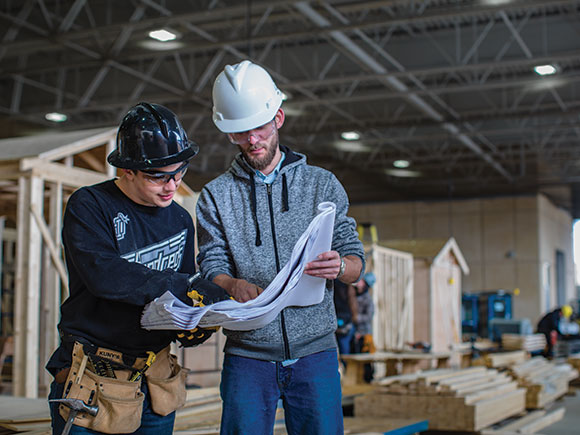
(37, 176)
(392, 297)
(438, 266)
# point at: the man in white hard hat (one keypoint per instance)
(248, 222)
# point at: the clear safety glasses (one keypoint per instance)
(259, 133)
(160, 177)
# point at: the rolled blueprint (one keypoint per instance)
(290, 287)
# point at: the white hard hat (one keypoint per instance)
(244, 97)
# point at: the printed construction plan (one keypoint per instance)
(291, 287)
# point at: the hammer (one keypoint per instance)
(76, 406)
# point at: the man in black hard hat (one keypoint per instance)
(126, 242)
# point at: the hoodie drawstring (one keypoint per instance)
(254, 208)
(285, 206)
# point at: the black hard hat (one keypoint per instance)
(150, 136)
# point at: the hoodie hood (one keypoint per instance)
(240, 168)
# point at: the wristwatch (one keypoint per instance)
(342, 268)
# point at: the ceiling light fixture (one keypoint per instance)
(351, 147)
(162, 35)
(402, 164)
(350, 135)
(496, 2)
(56, 117)
(545, 70)
(405, 173)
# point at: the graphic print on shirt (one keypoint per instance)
(162, 255)
(120, 222)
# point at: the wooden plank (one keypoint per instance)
(435, 377)
(516, 425)
(111, 145)
(27, 288)
(491, 392)
(79, 145)
(34, 267)
(23, 410)
(51, 245)
(94, 163)
(21, 278)
(541, 423)
(67, 175)
(490, 411)
(505, 358)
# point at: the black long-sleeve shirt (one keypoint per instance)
(120, 256)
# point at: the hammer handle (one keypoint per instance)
(69, 422)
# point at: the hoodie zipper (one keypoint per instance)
(271, 207)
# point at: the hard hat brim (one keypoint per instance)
(246, 124)
(117, 161)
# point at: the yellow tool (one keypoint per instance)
(138, 373)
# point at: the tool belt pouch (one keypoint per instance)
(166, 382)
(120, 402)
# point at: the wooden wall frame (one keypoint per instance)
(37, 175)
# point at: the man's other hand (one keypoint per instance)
(327, 265)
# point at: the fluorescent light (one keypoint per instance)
(350, 135)
(496, 2)
(56, 117)
(162, 35)
(161, 46)
(401, 164)
(351, 147)
(402, 173)
(545, 70)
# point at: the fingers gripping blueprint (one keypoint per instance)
(291, 287)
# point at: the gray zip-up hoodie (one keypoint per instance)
(247, 229)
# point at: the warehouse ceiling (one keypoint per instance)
(447, 86)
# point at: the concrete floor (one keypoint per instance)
(570, 424)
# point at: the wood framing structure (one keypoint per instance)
(393, 298)
(37, 175)
(438, 266)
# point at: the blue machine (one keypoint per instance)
(479, 308)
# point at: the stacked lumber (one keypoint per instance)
(24, 416)
(529, 423)
(527, 342)
(502, 359)
(201, 412)
(462, 400)
(543, 380)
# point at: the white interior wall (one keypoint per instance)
(555, 234)
(507, 241)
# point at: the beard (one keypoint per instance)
(261, 163)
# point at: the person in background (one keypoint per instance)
(249, 220)
(363, 338)
(345, 304)
(126, 242)
(549, 325)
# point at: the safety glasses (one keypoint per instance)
(260, 133)
(160, 177)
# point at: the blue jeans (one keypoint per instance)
(151, 423)
(309, 390)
